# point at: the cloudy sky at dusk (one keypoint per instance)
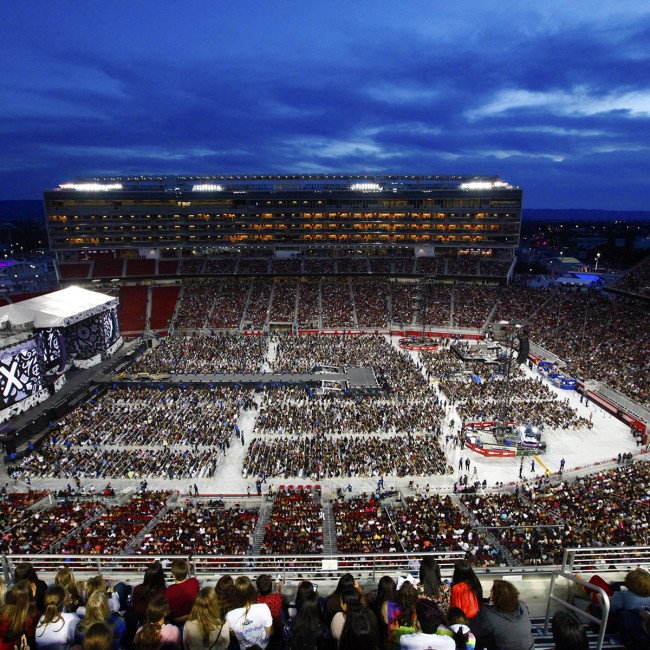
(553, 96)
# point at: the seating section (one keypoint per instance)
(74, 270)
(163, 304)
(108, 268)
(132, 309)
(140, 267)
(167, 267)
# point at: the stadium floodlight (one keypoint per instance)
(483, 185)
(207, 187)
(91, 187)
(366, 187)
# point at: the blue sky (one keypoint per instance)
(553, 97)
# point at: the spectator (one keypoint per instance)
(153, 584)
(568, 632)
(458, 629)
(98, 611)
(205, 628)
(431, 585)
(429, 619)
(157, 632)
(25, 571)
(307, 630)
(506, 622)
(272, 598)
(250, 622)
(56, 628)
(98, 637)
(360, 631)
(346, 581)
(466, 590)
(224, 592)
(18, 617)
(65, 579)
(400, 615)
(182, 593)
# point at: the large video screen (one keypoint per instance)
(20, 373)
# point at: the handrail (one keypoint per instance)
(604, 559)
(602, 622)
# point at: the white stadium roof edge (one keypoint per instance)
(57, 309)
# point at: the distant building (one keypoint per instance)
(283, 216)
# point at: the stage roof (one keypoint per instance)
(57, 309)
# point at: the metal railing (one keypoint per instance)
(604, 560)
(578, 611)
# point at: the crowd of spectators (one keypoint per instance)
(607, 508)
(60, 461)
(229, 305)
(216, 354)
(371, 303)
(200, 529)
(116, 527)
(435, 304)
(142, 416)
(308, 305)
(257, 308)
(404, 302)
(598, 337)
(336, 304)
(473, 303)
(195, 303)
(283, 308)
(295, 526)
(363, 526)
(294, 411)
(37, 531)
(531, 534)
(465, 265)
(637, 281)
(318, 457)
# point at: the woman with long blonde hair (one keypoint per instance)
(66, 580)
(98, 611)
(204, 629)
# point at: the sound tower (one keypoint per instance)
(524, 348)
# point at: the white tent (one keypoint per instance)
(57, 309)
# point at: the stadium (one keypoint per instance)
(305, 376)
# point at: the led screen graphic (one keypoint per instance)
(92, 336)
(52, 349)
(20, 374)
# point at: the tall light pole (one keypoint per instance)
(597, 260)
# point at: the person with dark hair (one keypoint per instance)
(568, 632)
(400, 615)
(360, 631)
(182, 593)
(334, 601)
(385, 592)
(157, 631)
(98, 637)
(153, 584)
(466, 590)
(250, 622)
(266, 594)
(18, 616)
(25, 571)
(350, 601)
(431, 584)
(458, 630)
(56, 628)
(505, 623)
(308, 630)
(429, 619)
(224, 591)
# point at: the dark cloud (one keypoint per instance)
(557, 104)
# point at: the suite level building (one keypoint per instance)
(173, 216)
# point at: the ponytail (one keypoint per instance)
(149, 636)
(461, 638)
(54, 598)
